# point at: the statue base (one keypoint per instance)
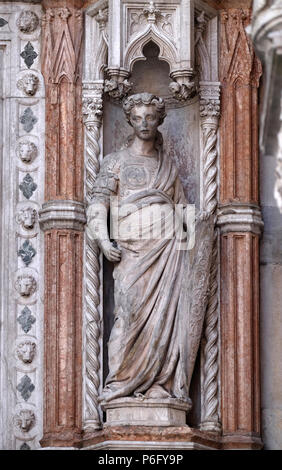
(146, 412)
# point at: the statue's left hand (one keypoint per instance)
(111, 253)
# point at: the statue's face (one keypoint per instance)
(144, 120)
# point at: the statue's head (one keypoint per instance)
(144, 112)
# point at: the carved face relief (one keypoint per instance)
(27, 151)
(26, 351)
(27, 22)
(25, 420)
(145, 121)
(26, 217)
(28, 84)
(25, 285)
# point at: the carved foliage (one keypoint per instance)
(238, 62)
(150, 14)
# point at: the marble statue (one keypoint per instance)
(160, 286)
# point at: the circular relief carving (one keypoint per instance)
(25, 285)
(24, 420)
(27, 22)
(26, 351)
(28, 84)
(134, 176)
(26, 217)
(27, 151)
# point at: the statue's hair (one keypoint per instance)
(147, 99)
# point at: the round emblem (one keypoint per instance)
(134, 176)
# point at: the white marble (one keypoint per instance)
(147, 412)
(21, 409)
(147, 445)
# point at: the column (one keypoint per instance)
(62, 218)
(240, 223)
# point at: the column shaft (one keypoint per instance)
(62, 218)
(240, 222)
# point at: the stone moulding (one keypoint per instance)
(236, 217)
(62, 215)
(136, 412)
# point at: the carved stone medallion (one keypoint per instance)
(134, 176)
(26, 285)
(28, 84)
(27, 22)
(26, 217)
(27, 151)
(24, 420)
(26, 351)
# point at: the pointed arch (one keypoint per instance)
(134, 50)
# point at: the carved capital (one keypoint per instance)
(183, 86)
(210, 102)
(201, 24)
(118, 89)
(102, 18)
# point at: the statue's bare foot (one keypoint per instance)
(157, 391)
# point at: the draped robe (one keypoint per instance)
(149, 344)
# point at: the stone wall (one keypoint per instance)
(22, 127)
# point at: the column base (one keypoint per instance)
(146, 412)
(150, 437)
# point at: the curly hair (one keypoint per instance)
(146, 99)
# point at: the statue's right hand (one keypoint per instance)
(111, 253)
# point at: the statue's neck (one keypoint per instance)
(143, 147)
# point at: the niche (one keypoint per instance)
(181, 140)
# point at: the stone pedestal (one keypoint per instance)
(146, 412)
